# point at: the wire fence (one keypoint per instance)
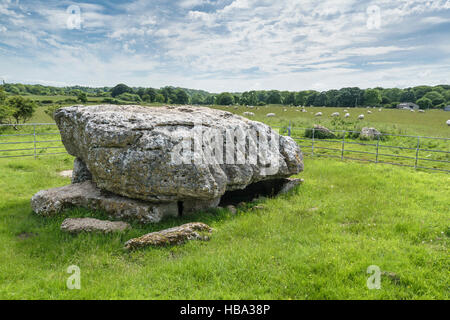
(34, 139)
(419, 152)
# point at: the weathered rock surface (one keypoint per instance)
(77, 225)
(172, 236)
(370, 133)
(290, 184)
(80, 172)
(87, 195)
(128, 150)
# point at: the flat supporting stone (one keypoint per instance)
(77, 225)
(172, 236)
(87, 195)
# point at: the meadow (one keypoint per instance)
(395, 147)
(314, 243)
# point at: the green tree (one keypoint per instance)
(320, 99)
(225, 99)
(5, 113)
(2, 96)
(408, 96)
(425, 103)
(274, 97)
(119, 89)
(372, 97)
(198, 99)
(420, 91)
(435, 97)
(159, 98)
(152, 93)
(181, 97)
(130, 97)
(22, 108)
(82, 97)
(290, 98)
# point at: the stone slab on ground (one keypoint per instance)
(77, 225)
(87, 195)
(290, 184)
(172, 236)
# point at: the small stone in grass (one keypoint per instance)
(232, 209)
(78, 225)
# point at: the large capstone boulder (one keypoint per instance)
(178, 155)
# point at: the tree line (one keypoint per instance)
(17, 105)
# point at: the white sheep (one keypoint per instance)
(347, 115)
(270, 115)
(412, 110)
(249, 114)
(361, 117)
(284, 110)
(448, 122)
(345, 110)
(379, 110)
(319, 114)
(369, 112)
(304, 110)
(422, 111)
(336, 114)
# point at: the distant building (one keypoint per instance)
(447, 108)
(408, 106)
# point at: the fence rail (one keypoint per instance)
(32, 136)
(376, 150)
(419, 152)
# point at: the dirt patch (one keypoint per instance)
(26, 235)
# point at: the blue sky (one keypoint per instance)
(226, 45)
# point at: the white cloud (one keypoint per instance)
(234, 45)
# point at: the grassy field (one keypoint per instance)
(393, 122)
(315, 243)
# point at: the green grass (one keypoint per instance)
(314, 243)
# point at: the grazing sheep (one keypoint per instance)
(369, 112)
(249, 114)
(336, 114)
(379, 110)
(284, 110)
(270, 115)
(361, 117)
(422, 111)
(448, 122)
(319, 114)
(347, 115)
(412, 110)
(304, 110)
(345, 110)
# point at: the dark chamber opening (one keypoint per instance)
(268, 188)
(180, 208)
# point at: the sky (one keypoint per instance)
(226, 45)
